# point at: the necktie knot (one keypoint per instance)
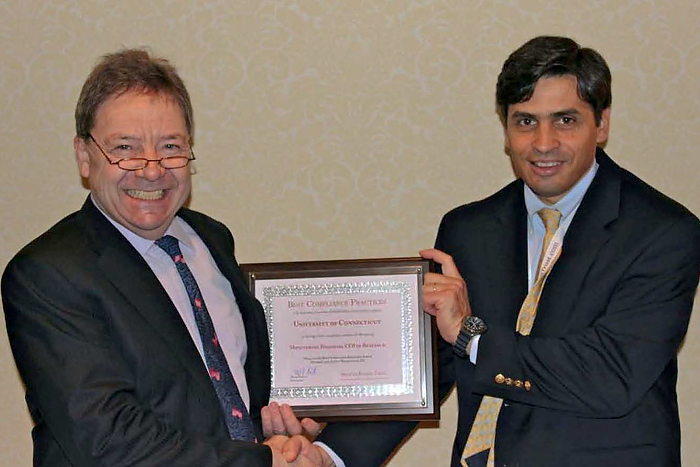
(550, 218)
(170, 245)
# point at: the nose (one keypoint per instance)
(545, 138)
(153, 170)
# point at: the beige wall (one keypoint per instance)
(337, 129)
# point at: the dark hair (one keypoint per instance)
(130, 70)
(547, 56)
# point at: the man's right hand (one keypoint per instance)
(297, 451)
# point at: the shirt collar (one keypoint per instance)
(142, 245)
(568, 203)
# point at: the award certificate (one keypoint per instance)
(349, 338)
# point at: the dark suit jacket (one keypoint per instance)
(601, 358)
(112, 375)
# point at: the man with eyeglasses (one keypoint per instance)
(113, 313)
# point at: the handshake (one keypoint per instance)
(290, 439)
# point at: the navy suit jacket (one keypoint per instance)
(112, 375)
(601, 357)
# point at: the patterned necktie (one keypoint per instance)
(479, 451)
(238, 422)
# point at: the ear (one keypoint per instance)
(82, 156)
(506, 141)
(603, 130)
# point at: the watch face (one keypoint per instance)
(474, 325)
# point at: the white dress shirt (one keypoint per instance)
(216, 291)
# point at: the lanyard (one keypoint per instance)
(550, 256)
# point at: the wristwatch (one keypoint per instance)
(471, 326)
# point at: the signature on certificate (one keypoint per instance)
(303, 372)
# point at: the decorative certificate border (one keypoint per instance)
(352, 288)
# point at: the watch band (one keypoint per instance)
(471, 326)
(460, 345)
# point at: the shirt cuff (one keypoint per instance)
(473, 348)
(337, 460)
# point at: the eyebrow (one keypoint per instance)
(173, 136)
(120, 137)
(565, 112)
(520, 114)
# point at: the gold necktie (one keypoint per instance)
(481, 437)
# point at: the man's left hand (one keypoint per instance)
(279, 419)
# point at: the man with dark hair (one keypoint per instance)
(563, 297)
(113, 313)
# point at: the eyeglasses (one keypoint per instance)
(172, 155)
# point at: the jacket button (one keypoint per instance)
(528, 386)
(518, 383)
(500, 379)
(509, 381)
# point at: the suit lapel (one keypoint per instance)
(506, 270)
(128, 272)
(587, 234)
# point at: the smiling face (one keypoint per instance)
(552, 137)
(144, 201)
